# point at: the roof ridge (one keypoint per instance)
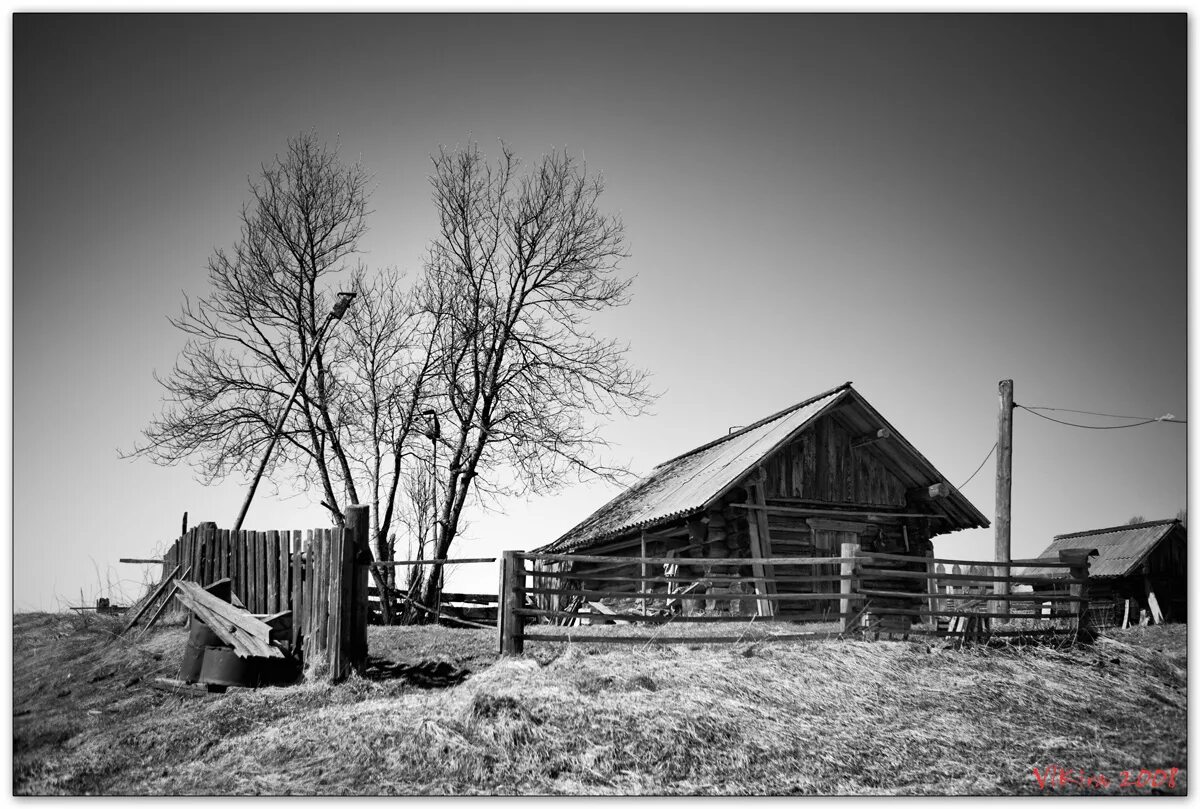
(756, 425)
(1126, 527)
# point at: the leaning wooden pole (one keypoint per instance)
(1004, 486)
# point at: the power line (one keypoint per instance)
(1087, 426)
(1167, 417)
(981, 463)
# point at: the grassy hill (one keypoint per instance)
(819, 718)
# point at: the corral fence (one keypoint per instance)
(856, 594)
(477, 610)
(319, 576)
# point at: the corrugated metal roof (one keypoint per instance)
(687, 483)
(1121, 548)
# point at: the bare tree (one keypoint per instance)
(385, 389)
(250, 336)
(520, 263)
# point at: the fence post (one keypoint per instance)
(931, 568)
(1079, 559)
(849, 569)
(511, 625)
(358, 523)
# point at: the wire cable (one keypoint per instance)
(985, 460)
(1167, 417)
(1086, 426)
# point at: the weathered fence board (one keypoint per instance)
(276, 571)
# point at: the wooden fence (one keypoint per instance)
(875, 592)
(318, 575)
(454, 609)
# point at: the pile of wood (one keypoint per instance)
(264, 642)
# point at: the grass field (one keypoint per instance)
(441, 714)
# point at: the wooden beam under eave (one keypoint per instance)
(879, 435)
(924, 494)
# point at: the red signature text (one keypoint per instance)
(1055, 776)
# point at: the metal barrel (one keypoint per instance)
(222, 666)
(200, 637)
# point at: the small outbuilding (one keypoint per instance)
(1145, 563)
(798, 483)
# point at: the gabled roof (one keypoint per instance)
(1122, 548)
(689, 483)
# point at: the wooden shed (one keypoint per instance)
(797, 483)
(1133, 562)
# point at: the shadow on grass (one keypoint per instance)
(427, 674)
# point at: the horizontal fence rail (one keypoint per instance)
(477, 610)
(864, 592)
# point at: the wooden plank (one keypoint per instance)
(247, 554)
(285, 566)
(271, 558)
(296, 599)
(190, 552)
(310, 546)
(824, 524)
(976, 577)
(161, 609)
(252, 570)
(316, 646)
(638, 618)
(759, 519)
(223, 571)
(294, 544)
(1154, 609)
(635, 595)
(235, 574)
(321, 596)
(354, 595)
(674, 560)
(141, 561)
(337, 603)
(822, 512)
(745, 637)
(972, 596)
(409, 562)
(501, 608)
(146, 604)
(265, 545)
(1013, 563)
(246, 634)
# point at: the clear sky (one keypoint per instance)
(921, 204)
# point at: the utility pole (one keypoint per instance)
(1004, 487)
(339, 309)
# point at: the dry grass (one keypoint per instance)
(830, 718)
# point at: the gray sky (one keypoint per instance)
(921, 204)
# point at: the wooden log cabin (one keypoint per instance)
(797, 483)
(1140, 562)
